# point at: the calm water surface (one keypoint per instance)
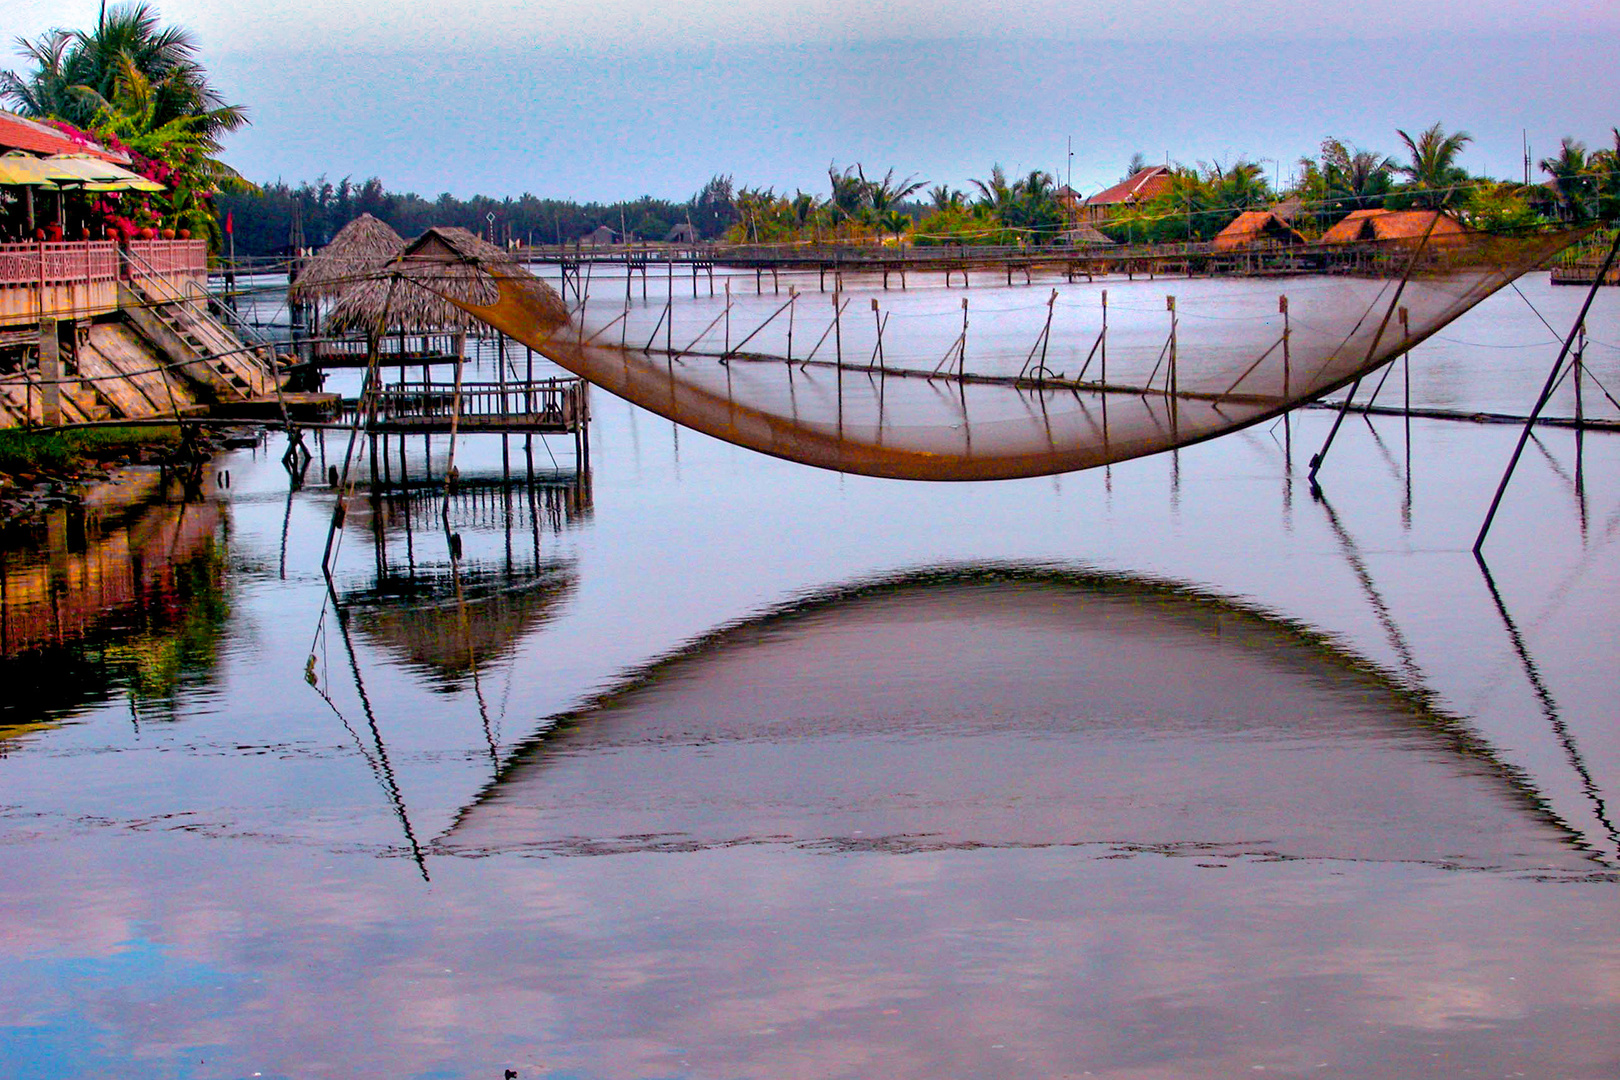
(715, 766)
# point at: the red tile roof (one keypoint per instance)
(17, 133)
(1138, 187)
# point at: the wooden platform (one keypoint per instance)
(557, 406)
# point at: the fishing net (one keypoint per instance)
(963, 382)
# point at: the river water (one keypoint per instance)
(710, 765)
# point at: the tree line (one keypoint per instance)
(264, 220)
(1195, 202)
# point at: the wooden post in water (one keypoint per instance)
(1580, 363)
(728, 316)
(961, 354)
(1406, 364)
(793, 296)
(1103, 380)
(838, 342)
(1170, 377)
(1282, 307)
(877, 320)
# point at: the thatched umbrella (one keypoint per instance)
(356, 255)
(408, 295)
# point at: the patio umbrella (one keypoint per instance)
(98, 175)
(22, 170)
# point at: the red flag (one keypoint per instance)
(230, 223)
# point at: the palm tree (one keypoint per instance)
(47, 90)
(1354, 178)
(1571, 174)
(895, 222)
(1605, 167)
(886, 195)
(944, 197)
(1433, 171)
(848, 197)
(1037, 185)
(78, 73)
(994, 192)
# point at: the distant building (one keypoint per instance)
(683, 233)
(1139, 187)
(1256, 227)
(601, 236)
(1083, 236)
(1408, 225)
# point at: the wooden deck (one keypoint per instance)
(557, 406)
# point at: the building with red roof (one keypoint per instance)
(20, 133)
(1139, 187)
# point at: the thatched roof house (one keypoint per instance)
(1256, 227)
(684, 232)
(356, 255)
(409, 295)
(1083, 235)
(1365, 225)
(406, 292)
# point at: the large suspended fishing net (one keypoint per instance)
(945, 382)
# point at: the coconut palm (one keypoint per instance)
(943, 197)
(1355, 179)
(848, 198)
(1037, 185)
(1605, 167)
(47, 91)
(893, 221)
(994, 191)
(77, 73)
(1433, 172)
(1572, 180)
(885, 196)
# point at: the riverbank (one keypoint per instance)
(42, 470)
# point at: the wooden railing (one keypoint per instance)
(79, 279)
(549, 402)
(25, 265)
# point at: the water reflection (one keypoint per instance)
(122, 594)
(453, 586)
(1010, 708)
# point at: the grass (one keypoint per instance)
(61, 451)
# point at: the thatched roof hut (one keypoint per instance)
(407, 294)
(355, 256)
(1405, 225)
(1256, 227)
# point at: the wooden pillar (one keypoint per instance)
(1282, 307)
(50, 373)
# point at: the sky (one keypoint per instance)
(612, 99)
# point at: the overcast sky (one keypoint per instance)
(615, 98)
